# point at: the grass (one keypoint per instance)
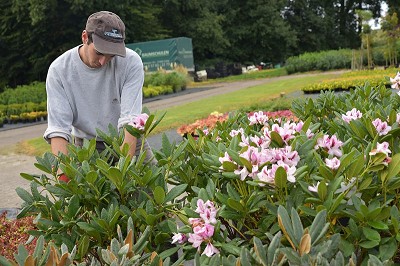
(177, 116)
(188, 113)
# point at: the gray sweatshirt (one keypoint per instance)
(81, 99)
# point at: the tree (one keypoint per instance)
(391, 29)
(35, 32)
(199, 20)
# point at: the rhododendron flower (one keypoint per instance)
(331, 144)
(210, 250)
(381, 127)
(207, 211)
(314, 188)
(195, 239)
(286, 132)
(179, 238)
(351, 115)
(381, 148)
(139, 121)
(268, 175)
(333, 163)
(395, 81)
(236, 132)
(258, 118)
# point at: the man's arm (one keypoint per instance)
(131, 142)
(59, 144)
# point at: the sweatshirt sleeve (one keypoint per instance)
(132, 91)
(59, 112)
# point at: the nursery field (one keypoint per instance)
(267, 97)
(314, 185)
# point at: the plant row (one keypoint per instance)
(322, 186)
(325, 60)
(28, 103)
(351, 80)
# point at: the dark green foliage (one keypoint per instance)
(326, 60)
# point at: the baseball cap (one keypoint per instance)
(108, 33)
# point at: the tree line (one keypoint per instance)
(34, 33)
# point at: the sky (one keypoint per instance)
(376, 24)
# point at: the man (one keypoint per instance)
(93, 85)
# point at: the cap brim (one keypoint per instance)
(109, 48)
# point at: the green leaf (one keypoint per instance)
(24, 195)
(159, 195)
(371, 234)
(277, 139)
(83, 246)
(322, 190)
(260, 251)
(281, 177)
(236, 205)
(175, 192)
(393, 168)
(73, 206)
(319, 227)
(369, 244)
(378, 225)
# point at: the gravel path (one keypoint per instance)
(11, 165)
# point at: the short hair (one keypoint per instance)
(90, 38)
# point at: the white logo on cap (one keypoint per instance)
(113, 34)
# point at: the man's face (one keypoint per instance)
(90, 56)
(95, 59)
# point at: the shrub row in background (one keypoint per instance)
(325, 60)
(28, 103)
(353, 79)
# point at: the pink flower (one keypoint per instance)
(210, 250)
(139, 121)
(236, 132)
(179, 238)
(332, 145)
(351, 115)
(258, 118)
(333, 163)
(195, 239)
(206, 231)
(381, 127)
(381, 148)
(395, 81)
(207, 211)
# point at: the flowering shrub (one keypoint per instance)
(13, 233)
(253, 189)
(210, 122)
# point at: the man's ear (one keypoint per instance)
(85, 37)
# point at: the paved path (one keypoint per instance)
(11, 165)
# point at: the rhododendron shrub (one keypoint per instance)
(345, 160)
(333, 163)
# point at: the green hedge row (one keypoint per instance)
(30, 100)
(326, 60)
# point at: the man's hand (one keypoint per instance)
(63, 177)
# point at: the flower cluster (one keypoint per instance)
(396, 82)
(203, 228)
(139, 121)
(264, 159)
(202, 124)
(354, 114)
